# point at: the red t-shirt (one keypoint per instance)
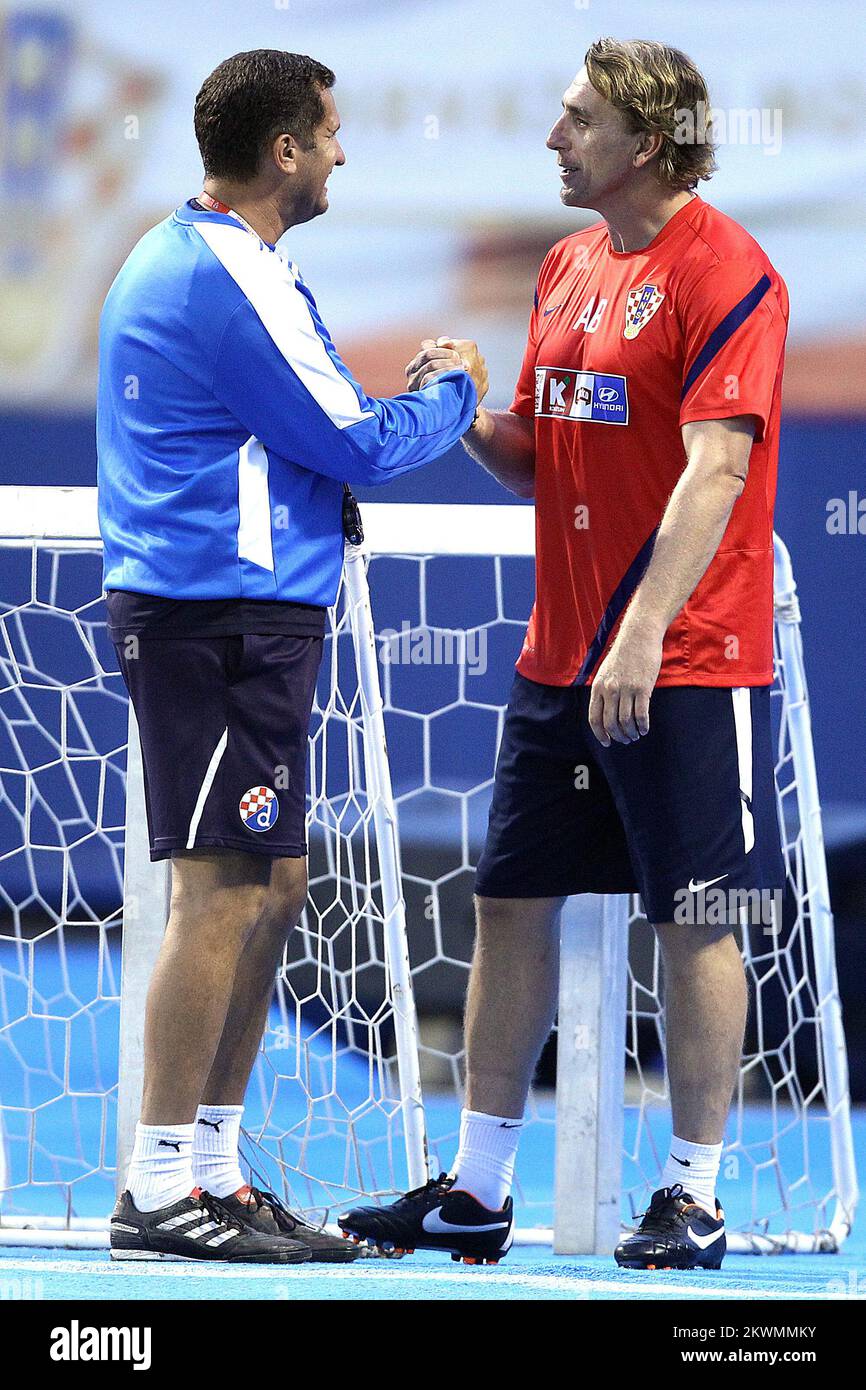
(624, 348)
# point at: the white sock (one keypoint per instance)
(484, 1164)
(160, 1171)
(215, 1149)
(696, 1167)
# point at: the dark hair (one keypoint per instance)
(249, 100)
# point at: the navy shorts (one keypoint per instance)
(224, 723)
(688, 808)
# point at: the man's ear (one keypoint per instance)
(649, 145)
(285, 150)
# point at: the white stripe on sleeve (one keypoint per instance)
(269, 285)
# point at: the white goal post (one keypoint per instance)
(345, 1034)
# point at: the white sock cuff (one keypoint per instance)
(493, 1119)
(160, 1170)
(485, 1158)
(695, 1167)
(498, 1121)
(695, 1152)
(487, 1136)
(175, 1134)
(217, 1128)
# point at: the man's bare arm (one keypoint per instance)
(504, 444)
(690, 533)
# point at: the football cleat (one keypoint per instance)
(435, 1217)
(198, 1227)
(264, 1212)
(675, 1233)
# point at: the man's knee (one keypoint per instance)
(224, 892)
(287, 893)
(682, 943)
(493, 913)
(529, 914)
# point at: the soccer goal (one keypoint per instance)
(358, 1083)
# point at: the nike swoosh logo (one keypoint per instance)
(686, 1162)
(435, 1226)
(704, 1242)
(707, 883)
(553, 310)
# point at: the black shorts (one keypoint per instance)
(224, 723)
(688, 808)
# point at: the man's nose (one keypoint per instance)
(554, 139)
(341, 156)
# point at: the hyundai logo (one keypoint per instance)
(608, 393)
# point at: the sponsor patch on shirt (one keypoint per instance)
(581, 396)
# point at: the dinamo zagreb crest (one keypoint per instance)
(259, 808)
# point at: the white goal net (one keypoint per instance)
(357, 1087)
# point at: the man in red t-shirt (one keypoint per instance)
(636, 753)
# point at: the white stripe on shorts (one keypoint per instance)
(204, 789)
(742, 699)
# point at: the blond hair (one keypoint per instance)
(660, 91)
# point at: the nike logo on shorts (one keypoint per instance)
(707, 883)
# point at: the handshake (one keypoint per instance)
(447, 355)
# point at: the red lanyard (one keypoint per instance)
(216, 206)
(213, 203)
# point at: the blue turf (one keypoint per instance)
(530, 1272)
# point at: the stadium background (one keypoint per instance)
(438, 224)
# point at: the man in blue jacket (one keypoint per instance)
(228, 428)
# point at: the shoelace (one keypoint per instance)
(288, 1221)
(438, 1186)
(656, 1218)
(285, 1219)
(217, 1212)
